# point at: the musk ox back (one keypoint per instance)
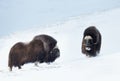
(22, 53)
(91, 42)
(50, 47)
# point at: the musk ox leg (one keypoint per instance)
(10, 68)
(88, 55)
(10, 63)
(36, 64)
(19, 67)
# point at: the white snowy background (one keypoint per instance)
(72, 64)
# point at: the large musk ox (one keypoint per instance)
(35, 51)
(91, 42)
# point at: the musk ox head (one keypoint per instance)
(50, 47)
(88, 42)
(55, 53)
(91, 42)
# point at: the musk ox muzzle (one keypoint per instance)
(55, 53)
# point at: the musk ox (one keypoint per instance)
(34, 51)
(91, 42)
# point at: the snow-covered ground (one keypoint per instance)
(72, 64)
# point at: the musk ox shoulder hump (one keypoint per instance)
(44, 37)
(48, 41)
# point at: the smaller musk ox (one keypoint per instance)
(91, 42)
(34, 51)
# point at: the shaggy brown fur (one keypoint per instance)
(91, 42)
(22, 53)
(50, 45)
(48, 41)
(41, 49)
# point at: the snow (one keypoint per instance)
(72, 64)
